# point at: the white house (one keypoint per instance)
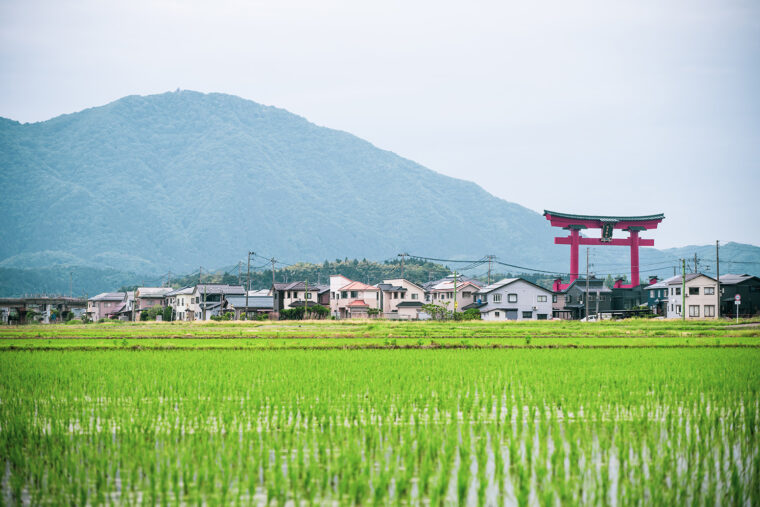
(513, 299)
(179, 300)
(700, 297)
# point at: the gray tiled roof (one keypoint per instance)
(677, 280)
(409, 304)
(301, 285)
(183, 290)
(387, 287)
(108, 296)
(730, 279)
(209, 288)
(262, 302)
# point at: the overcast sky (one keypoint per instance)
(588, 107)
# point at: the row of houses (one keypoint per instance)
(401, 299)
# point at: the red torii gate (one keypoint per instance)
(575, 223)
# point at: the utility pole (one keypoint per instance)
(204, 303)
(134, 303)
(696, 270)
(490, 260)
(455, 292)
(306, 300)
(717, 276)
(586, 300)
(248, 284)
(272, 260)
(403, 256)
(683, 289)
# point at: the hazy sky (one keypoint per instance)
(589, 107)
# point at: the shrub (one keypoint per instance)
(471, 314)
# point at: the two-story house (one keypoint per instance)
(700, 297)
(295, 295)
(570, 303)
(148, 297)
(513, 299)
(401, 299)
(748, 289)
(179, 300)
(442, 292)
(350, 299)
(657, 295)
(104, 303)
(206, 299)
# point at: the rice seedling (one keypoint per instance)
(441, 426)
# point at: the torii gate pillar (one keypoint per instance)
(576, 223)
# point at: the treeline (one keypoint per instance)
(369, 272)
(365, 271)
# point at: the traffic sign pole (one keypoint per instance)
(737, 302)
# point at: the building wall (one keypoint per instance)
(527, 301)
(412, 293)
(700, 301)
(466, 294)
(750, 294)
(289, 296)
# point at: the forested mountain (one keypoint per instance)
(183, 179)
(170, 182)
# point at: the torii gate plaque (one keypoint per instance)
(575, 223)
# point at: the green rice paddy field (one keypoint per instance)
(619, 419)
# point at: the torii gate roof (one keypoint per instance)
(596, 221)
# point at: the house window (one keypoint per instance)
(496, 314)
(678, 309)
(709, 291)
(709, 310)
(395, 295)
(569, 299)
(332, 295)
(497, 298)
(466, 294)
(512, 298)
(693, 310)
(541, 299)
(541, 316)
(414, 296)
(354, 294)
(344, 294)
(527, 315)
(554, 298)
(693, 291)
(308, 295)
(450, 295)
(678, 291)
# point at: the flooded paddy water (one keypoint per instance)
(419, 427)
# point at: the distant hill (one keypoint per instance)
(737, 258)
(183, 179)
